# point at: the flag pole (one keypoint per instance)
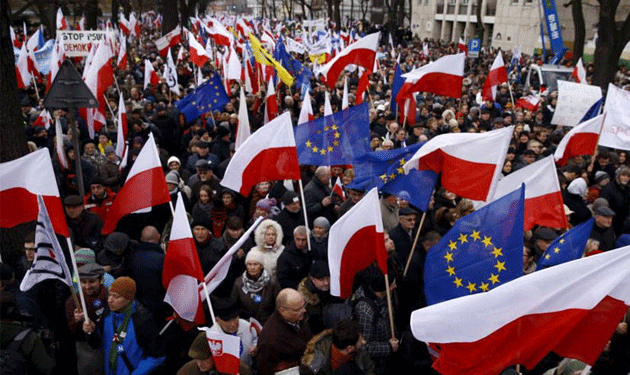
(390, 310)
(308, 236)
(415, 242)
(110, 108)
(35, 86)
(205, 291)
(511, 96)
(76, 271)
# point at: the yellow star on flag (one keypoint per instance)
(383, 177)
(315, 149)
(452, 245)
(547, 256)
(487, 241)
(500, 266)
(448, 257)
(334, 127)
(322, 151)
(496, 252)
(458, 282)
(462, 238)
(475, 235)
(494, 278)
(484, 287)
(308, 144)
(471, 287)
(402, 161)
(326, 128)
(400, 170)
(392, 176)
(561, 241)
(451, 270)
(330, 149)
(337, 135)
(336, 143)
(556, 249)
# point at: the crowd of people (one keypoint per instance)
(279, 276)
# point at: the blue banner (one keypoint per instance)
(553, 29)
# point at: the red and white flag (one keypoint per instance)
(444, 77)
(170, 39)
(364, 82)
(21, 181)
(327, 107)
(14, 39)
(496, 76)
(21, 69)
(198, 54)
(529, 102)
(122, 55)
(98, 77)
(543, 198)
(134, 26)
(571, 309)
(220, 34)
(61, 20)
(358, 242)
(58, 55)
(233, 66)
(579, 73)
(220, 270)
(243, 131)
(123, 24)
(338, 189)
(271, 103)
(306, 112)
(470, 163)
(361, 53)
(50, 262)
(145, 187)
(59, 149)
(43, 119)
(267, 155)
(461, 46)
(225, 351)
(344, 99)
(581, 140)
(150, 76)
(122, 130)
(182, 272)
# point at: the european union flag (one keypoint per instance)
(567, 247)
(483, 250)
(298, 70)
(209, 96)
(383, 169)
(336, 139)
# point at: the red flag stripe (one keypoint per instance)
(22, 205)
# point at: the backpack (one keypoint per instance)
(12, 361)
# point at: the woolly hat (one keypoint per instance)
(125, 287)
(321, 222)
(173, 159)
(577, 187)
(109, 149)
(319, 270)
(172, 178)
(266, 204)
(84, 256)
(254, 256)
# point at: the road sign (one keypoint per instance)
(474, 46)
(69, 90)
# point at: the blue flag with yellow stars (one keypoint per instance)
(383, 169)
(298, 70)
(483, 250)
(209, 96)
(336, 139)
(567, 247)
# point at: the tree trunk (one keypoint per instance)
(580, 30)
(610, 43)
(480, 29)
(336, 13)
(91, 13)
(169, 15)
(12, 136)
(115, 6)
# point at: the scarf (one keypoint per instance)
(255, 286)
(119, 335)
(337, 358)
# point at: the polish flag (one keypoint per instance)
(220, 34)
(358, 242)
(43, 119)
(98, 77)
(14, 39)
(338, 189)
(58, 55)
(579, 73)
(21, 181)
(182, 272)
(21, 69)
(134, 25)
(233, 66)
(543, 198)
(361, 53)
(470, 163)
(529, 102)
(198, 54)
(444, 77)
(268, 154)
(581, 140)
(461, 46)
(122, 131)
(123, 24)
(61, 153)
(122, 55)
(364, 82)
(145, 187)
(171, 39)
(271, 103)
(150, 76)
(496, 76)
(225, 350)
(571, 309)
(306, 112)
(220, 270)
(243, 131)
(327, 107)
(61, 20)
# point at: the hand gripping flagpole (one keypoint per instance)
(76, 272)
